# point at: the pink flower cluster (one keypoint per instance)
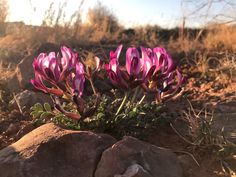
(63, 75)
(56, 75)
(153, 69)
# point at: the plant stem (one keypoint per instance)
(141, 99)
(92, 85)
(135, 95)
(122, 104)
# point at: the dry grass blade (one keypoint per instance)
(181, 136)
(227, 169)
(17, 103)
(191, 155)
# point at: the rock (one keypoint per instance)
(2, 141)
(27, 98)
(15, 115)
(24, 72)
(12, 129)
(20, 80)
(225, 122)
(25, 129)
(13, 84)
(228, 107)
(139, 159)
(135, 170)
(50, 151)
(188, 164)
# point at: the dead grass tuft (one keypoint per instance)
(221, 37)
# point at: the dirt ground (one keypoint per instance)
(202, 91)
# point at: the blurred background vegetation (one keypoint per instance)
(102, 29)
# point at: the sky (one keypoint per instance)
(130, 13)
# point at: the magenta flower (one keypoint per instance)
(155, 70)
(160, 74)
(46, 69)
(38, 84)
(116, 54)
(55, 71)
(113, 69)
(78, 79)
(69, 58)
(68, 61)
(171, 86)
(162, 60)
(130, 78)
(115, 74)
(133, 62)
(47, 66)
(64, 78)
(148, 65)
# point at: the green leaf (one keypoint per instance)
(47, 107)
(59, 116)
(100, 115)
(119, 117)
(39, 122)
(158, 108)
(45, 115)
(38, 107)
(132, 114)
(33, 113)
(146, 106)
(135, 109)
(36, 114)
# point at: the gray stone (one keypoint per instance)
(136, 158)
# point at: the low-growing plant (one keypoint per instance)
(135, 119)
(205, 138)
(41, 113)
(151, 73)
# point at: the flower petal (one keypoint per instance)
(98, 63)
(78, 79)
(66, 55)
(147, 62)
(79, 68)
(116, 54)
(38, 83)
(133, 63)
(78, 84)
(54, 67)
